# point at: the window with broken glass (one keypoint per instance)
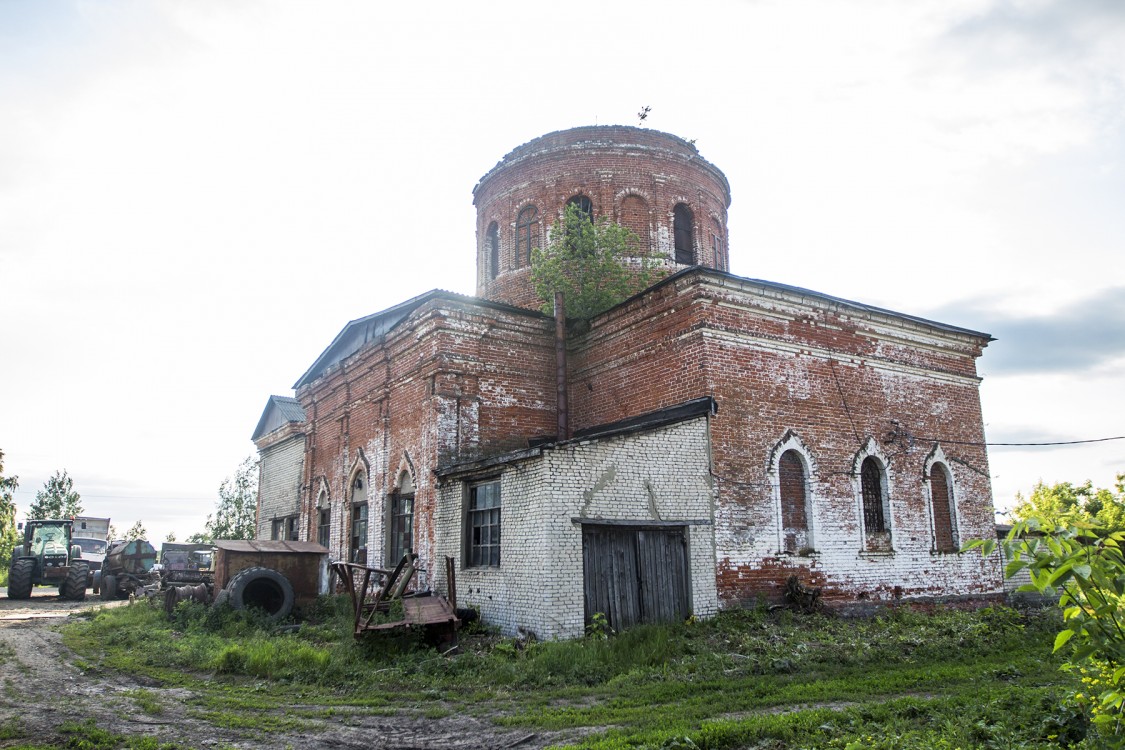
(323, 526)
(400, 521)
(483, 524)
(358, 546)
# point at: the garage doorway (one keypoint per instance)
(636, 574)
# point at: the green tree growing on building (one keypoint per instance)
(57, 499)
(596, 265)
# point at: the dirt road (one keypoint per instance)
(44, 686)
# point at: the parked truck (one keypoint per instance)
(92, 535)
(127, 569)
(48, 555)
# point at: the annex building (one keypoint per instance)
(695, 447)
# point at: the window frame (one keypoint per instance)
(874, 503)
(358, 521)
(682, 212)
(399, 521)
(476, 520)
(527, 229)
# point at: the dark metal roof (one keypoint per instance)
(363, 331)
(696, 407)
(279, 411)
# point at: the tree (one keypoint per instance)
(8, 535)
(171, 537)
(235, 513)
(1070, 540)
(1065, 501)
(593, 264)
(57, 499)
(136, 531)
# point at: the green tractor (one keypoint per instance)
(47, 557)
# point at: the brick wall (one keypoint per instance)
(843, 379)
(632, 176)
(452, 382)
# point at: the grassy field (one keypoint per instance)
(747, 678)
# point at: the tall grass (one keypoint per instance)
(741, 679)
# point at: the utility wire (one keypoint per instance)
(1024, 445)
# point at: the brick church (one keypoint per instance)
(689, 449)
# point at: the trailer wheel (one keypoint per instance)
(263, 588)
(109, 587)
(19, 578)
(74, 586)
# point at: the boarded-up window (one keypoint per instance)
(634, 217)
(873, 481)
(482, 524)
(492, 245)
(718, 249)
(794, 501)
(945, 533)
(527, 233)
(683, 229)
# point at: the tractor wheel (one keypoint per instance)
(263, 588)
(19, 579)
(74, 587)
(109, 587)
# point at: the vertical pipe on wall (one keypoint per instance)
(560, 366)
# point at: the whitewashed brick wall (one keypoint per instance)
(279, 483)
(662, 474)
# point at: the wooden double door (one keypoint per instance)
(636, 574)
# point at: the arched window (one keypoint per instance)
(584, 212)
(584, 205)
(323, 519)
(400, 520)
(492, 245)
(357, 550)
(794, 501)
(527, 233)
(683, 229)
(718, 249)
(873, 486)
(945, 516)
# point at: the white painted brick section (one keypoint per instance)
(661, 475)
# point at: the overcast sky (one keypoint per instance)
(196, 196)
